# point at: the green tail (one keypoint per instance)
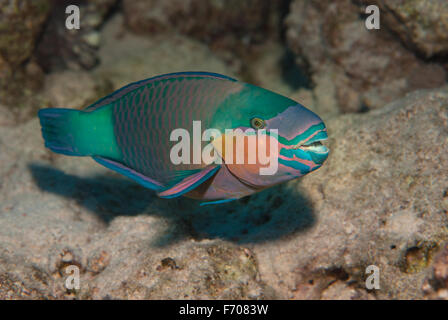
(79, 133)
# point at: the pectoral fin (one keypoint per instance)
(189, 183)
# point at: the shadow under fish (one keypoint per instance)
(265, 216)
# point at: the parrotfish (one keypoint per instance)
(130, 132)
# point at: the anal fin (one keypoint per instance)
(128, 172)
(217, 201)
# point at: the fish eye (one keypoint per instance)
(257, 123)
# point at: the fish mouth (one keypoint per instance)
(315, 149)
(314, 145)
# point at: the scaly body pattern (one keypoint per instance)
(130, 130)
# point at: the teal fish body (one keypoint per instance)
(131, 132)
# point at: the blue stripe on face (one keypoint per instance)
(304, 169)
(319, 136)
(293, 121)
(290, 153)
(318, 158)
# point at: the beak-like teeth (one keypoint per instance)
(307, 145)
(311, 145)
(316, 146)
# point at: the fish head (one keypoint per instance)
(288, 144)
(300, 133)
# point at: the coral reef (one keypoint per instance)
(60, 48)
(369, 68)
(221, 23)
(422, 25)
(21, 23)
(380, 199)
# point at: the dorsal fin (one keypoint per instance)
(117, 94)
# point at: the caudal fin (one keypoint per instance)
(58, 130)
